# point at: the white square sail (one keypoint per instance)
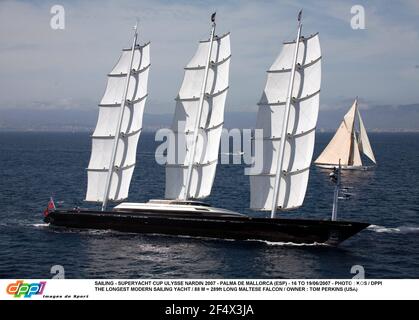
(211, 114)
(300, 132)
(115, 139)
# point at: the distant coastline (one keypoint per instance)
(403, 118)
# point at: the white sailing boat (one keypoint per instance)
(348, 144)
(291, 98)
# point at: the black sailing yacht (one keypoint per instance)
(287, 116)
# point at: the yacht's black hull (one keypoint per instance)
(209, 225)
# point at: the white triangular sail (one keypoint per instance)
(364, 142)
(355, 159)
(103, 138)
(300, 132)
(211, 124)
(339, 148)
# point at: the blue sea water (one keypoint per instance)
(37, 165)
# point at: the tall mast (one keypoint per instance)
(191, 158)
(119, 123)
(280, 153)
(336, 193)
(353, 128)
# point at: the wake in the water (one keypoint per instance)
(40, 225)
(401, 229)
(57, 229)
(291, 244)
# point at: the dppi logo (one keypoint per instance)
(27, 290)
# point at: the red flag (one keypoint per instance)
(50, 207)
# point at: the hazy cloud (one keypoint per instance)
(41, 67)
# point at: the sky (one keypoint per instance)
(66, 69)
